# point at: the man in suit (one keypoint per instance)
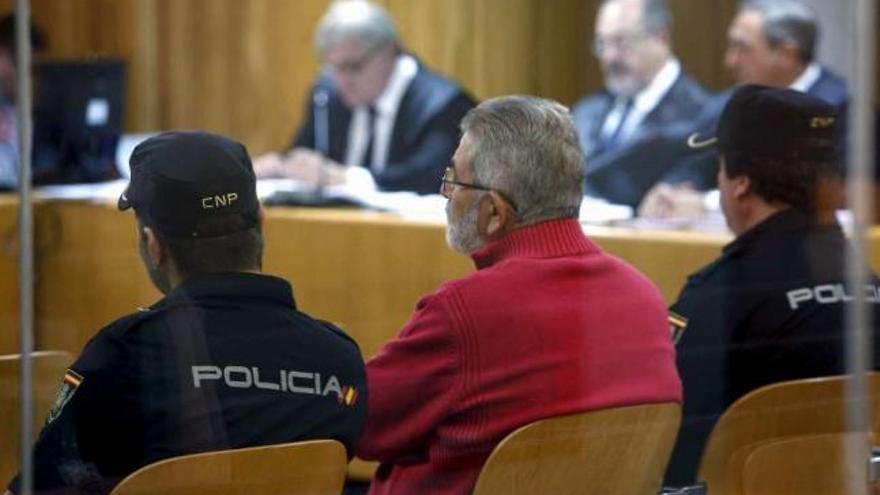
(772, 43)
(376, 117)
(645, 91)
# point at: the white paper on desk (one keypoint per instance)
(599, 211)
(406, 204)
(431, 207)
(267, 187)
(711, 221)
(98, 191)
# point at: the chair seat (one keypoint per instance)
(780, 411)
(612, 451)
(314, 467)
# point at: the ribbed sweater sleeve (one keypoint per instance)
(413, 382)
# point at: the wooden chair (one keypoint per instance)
(48, 370)
(314, 467)
(808, 465)
(612, 451)
(783, 410)
(361, 470)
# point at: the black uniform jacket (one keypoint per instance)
(770, 309)
(223, 361)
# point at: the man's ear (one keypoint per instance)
(497, 217)
(155, 250)
(261, 216)
(790, 50)
(742, 186)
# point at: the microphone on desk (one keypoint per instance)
(322, 121)
(322, 134)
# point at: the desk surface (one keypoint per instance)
(362, 270)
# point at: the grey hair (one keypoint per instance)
(527, 148)
(357, 20)
(788, 21)
(656, 19)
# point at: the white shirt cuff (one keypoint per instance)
(359, 179)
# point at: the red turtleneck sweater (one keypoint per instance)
(548, 325)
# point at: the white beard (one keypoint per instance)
(462, 235)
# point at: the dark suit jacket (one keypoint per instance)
(700, 167)
(832, 88)
(424, 137)
(610, 174)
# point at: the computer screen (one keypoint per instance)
(78, 118)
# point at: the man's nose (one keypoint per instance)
(731, 59)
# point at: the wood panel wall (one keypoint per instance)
(242, 67)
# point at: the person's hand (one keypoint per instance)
(313, 168)
(269, 166)
(673, 201)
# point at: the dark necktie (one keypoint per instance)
(367, 160)
(611, 141)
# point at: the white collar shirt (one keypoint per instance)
(643, 103)
(385, 107)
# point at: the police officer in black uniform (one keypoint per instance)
(224, 360)
(771, 308)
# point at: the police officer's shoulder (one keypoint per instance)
(332, 328)
(732, 258)
(123, 325)
(707, 274)
(107, 346)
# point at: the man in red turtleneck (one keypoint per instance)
(547, 325)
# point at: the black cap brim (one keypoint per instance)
(123, 203)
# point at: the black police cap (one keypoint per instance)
(192, 184)
(775, 123)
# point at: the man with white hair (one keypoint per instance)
(771, 43)
(377, 117)
(539, 330)
(645, 91)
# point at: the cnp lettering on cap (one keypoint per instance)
(219, 201)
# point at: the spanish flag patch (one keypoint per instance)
(71, 381)
(677, 325)
(348, 396)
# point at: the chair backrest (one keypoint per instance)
(315, 467)
(48, 370)
(783, 410)
(808, 465)
(612, 451)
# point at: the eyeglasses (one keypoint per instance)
(621, 43)
(353, 66)
(448, 183)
